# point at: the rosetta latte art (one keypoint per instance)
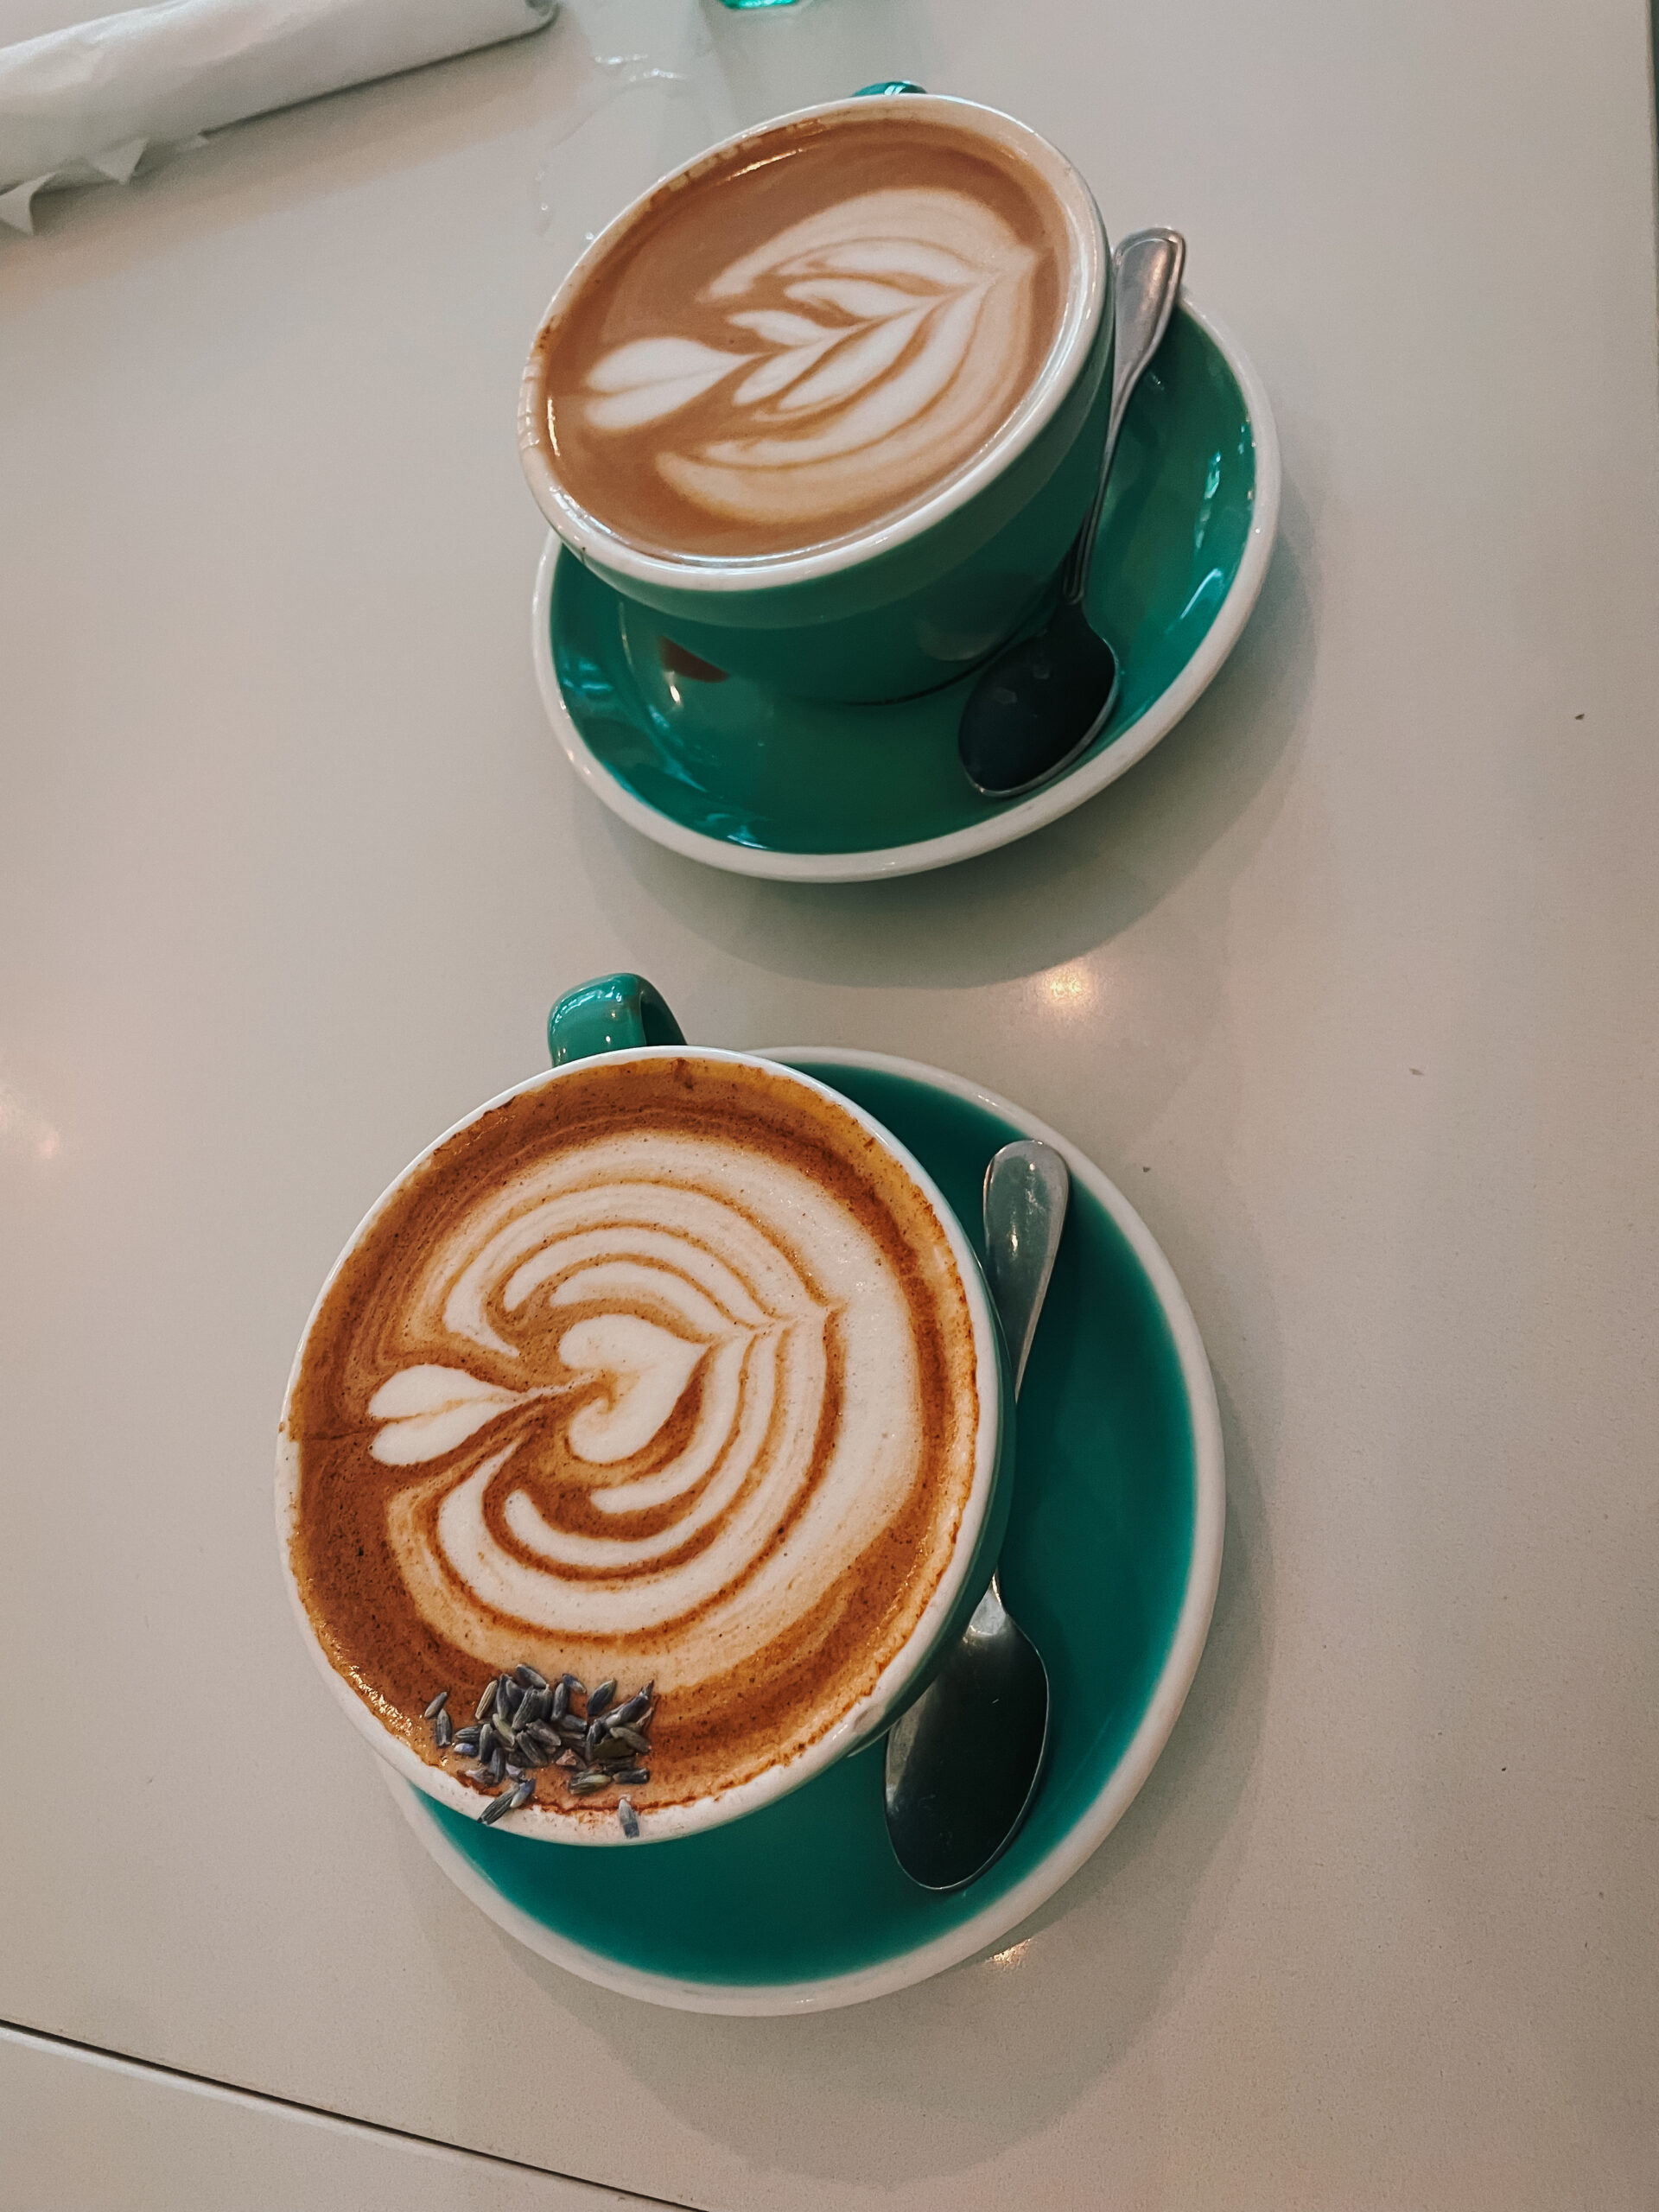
(676, 1459)
(880, 339)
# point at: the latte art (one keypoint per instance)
(661, 1391)
(893, 328)
(818, 332)
(679, 1369)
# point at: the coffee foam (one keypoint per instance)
(813, 332)
(660, 1371)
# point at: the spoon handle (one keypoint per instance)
(1027, 1189)
(1147, 277)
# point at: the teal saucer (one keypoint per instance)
(746, 780)
(1113, 1550)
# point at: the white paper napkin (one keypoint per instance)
(85, 103)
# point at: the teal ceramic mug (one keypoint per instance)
(624, 1019)
(911, 601)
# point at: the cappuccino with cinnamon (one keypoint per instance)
(810, 332)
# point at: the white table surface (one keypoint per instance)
(85, 2132)
(1351, 985)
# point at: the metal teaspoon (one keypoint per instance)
(964, 1760)
(1045, 700)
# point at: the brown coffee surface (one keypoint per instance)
(659, 1370)
(808, 333)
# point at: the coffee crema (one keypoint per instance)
(809, 333)
(662, 1370)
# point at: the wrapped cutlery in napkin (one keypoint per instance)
(87, 102)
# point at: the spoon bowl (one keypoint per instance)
(1043, 701)
(990, 1701)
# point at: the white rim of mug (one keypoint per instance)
(590, 537)
(985, 1930)
(862, 1719)
(1095, 771)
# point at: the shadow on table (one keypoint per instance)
(1090, 964)
(1059, 894)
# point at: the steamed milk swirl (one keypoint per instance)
(676, 1373)
(815, 333)
(667, 1373)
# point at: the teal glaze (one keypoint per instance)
(750, 766)
(1100, 1540)
(909, 620)
(613, 1014)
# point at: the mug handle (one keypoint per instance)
(893, 84)
(613, 1014)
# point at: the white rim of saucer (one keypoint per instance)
(1092, 775)
(984, 1931)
